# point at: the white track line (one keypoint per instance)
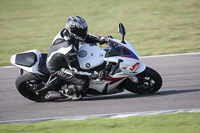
(168, 55)
(5, 67)
(114, 115)
(142, 57)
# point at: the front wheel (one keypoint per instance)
(149, 81)
(27, 84)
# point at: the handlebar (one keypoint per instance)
(110, 42)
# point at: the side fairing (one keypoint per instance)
(109, 84)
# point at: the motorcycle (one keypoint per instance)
(123, 70)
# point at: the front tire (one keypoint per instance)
(149, 81)
(28, 83)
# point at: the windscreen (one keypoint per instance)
(117, 50)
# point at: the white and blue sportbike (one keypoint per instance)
(120, 63)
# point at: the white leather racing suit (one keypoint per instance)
(62, 60)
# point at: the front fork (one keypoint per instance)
(134, 79)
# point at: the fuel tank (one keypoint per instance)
(90, 56)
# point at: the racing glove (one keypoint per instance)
(103, 40)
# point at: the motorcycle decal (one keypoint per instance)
(82, 53)
(87, 65)
(130, 56)
(113, 80)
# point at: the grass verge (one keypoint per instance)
(165, 123)
(154, 26)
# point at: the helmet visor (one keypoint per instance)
(79, 34)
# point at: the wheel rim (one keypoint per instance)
(31, 86)
(146, 84)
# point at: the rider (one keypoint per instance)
(62, 59)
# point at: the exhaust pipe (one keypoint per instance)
(53, 95)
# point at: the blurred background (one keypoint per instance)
(153, 26)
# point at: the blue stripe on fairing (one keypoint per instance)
(114, 82)
(130, 56)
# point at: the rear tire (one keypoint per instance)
(150, 81)
(28, 83)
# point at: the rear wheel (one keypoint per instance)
(149, 82)
(27, 84)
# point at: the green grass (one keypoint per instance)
(166, 123)
(154, 26)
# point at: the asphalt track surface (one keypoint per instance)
(180, 90)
